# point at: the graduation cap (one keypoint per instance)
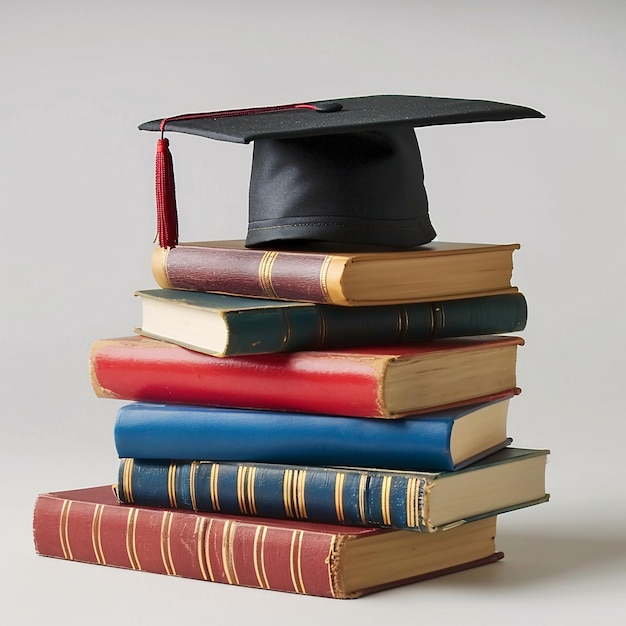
(344, 172)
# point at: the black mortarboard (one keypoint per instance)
(344, 172)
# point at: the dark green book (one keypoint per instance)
(222, 325)
(421, 501)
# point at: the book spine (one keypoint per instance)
(188, 545)
(326, 327)
(255, 273)
(335, 496)
(138, 368)
(166, 431)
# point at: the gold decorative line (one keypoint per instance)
(259, 559)
(340, 478)
(288, 330)
(265, 274)
(171, 484)
(193, 470)
(96, 538)
(228, 556)
(166, 546)
(241, 499)
(410, 508)
(215, 503)
(287, 479)
(323, 321)
(295, 561)
(225, 555)
(263, 570)
(323, 276)
(431, 330)
(131, 545)
(385, 500)
(300, 499)
(362, 491)
(208, 536)
(127, 480)
(251, 496)
(200, 531)
(63, 530)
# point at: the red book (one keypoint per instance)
(387, 381)
(89, 525)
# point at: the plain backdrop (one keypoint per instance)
(77, 228)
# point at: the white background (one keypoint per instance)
(76, 198)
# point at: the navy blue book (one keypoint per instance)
(444, 440)
(420, 501)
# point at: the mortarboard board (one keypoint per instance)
(343, 172)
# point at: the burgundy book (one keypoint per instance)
(89, 525)
(435, 271)
(384, 381)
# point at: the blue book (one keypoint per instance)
(444, 440)
(509, 479)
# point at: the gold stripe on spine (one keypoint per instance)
(228, 560)
(63, 530)
(200, 531)
(127, 480)
(431, 331)
(215, 470)
(362, 491)
(171, 484)
(295, 561)
(300, 499)
(340, 478)
(411, 502)
(251, 496)
(287, 480)
(323, 277)
(166, 545)
(402, 323)
(259, 557)
(265, 274)
(131, 545)
(96, 538)
(193, 470)
(323, 327)
(241, 499)
(288, 330)
(385, 504)
(208, 536)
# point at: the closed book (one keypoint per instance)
(375, 381)
(446, 440)
(90, 526)
(422, 501)
(436, 271)
(223, 325)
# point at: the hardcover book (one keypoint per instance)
(436, 271)
(223, 325)
(446, 440)
(422, 501)
(90, 526)
(376, 381)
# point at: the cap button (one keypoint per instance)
(328, 107)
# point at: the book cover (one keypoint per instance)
(426, 502)
(90, 526)
(380, 382)
(223, 325)
(436, 271)
(445, 440)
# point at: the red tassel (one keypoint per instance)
(167, 216)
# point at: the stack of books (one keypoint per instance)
(328, 424)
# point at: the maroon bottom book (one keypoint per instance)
(89, 525)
